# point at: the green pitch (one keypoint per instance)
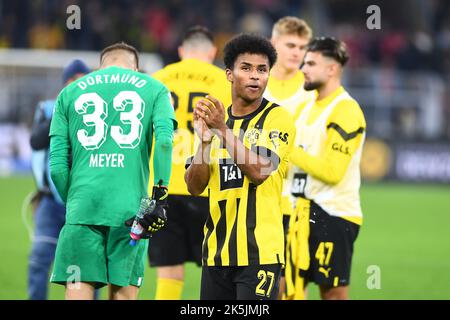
(402, 251)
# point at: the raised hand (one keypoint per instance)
(212, 112)
(201, 128)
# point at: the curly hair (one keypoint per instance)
(248, 43)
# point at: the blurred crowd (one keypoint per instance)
(414, 34)
(396, 65)
(400, 73)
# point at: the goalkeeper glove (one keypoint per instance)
(156, 219)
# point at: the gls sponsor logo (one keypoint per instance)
(275, 134)
(340, 148)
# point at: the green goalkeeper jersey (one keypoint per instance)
(106, 121)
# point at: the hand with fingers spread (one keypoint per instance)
(212, 112)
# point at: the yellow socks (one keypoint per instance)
(168, 289)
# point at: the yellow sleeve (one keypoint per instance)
(345, 128)
(278, 136)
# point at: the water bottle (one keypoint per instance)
(145, 206)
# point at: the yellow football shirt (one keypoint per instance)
(245, 222)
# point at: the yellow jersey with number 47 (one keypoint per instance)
(188, 81)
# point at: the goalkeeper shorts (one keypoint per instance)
(98, 254)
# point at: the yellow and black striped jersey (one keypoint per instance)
(245, 222)
(189, 80)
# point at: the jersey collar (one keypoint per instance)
(261, 107)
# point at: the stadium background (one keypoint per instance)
(400, 74)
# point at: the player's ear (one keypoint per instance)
(229, 74)
(181, 52)
(334, 69)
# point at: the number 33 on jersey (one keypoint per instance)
(106, 113)
(106, 121)
(97, 119)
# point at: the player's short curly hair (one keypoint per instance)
(248, 43)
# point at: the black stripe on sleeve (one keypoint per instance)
(252, 246)
(221, 232)
(232, 244)
(346, 136)
(209, 226)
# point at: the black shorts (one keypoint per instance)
(240, 283)
(331, 242)
(181, 239)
